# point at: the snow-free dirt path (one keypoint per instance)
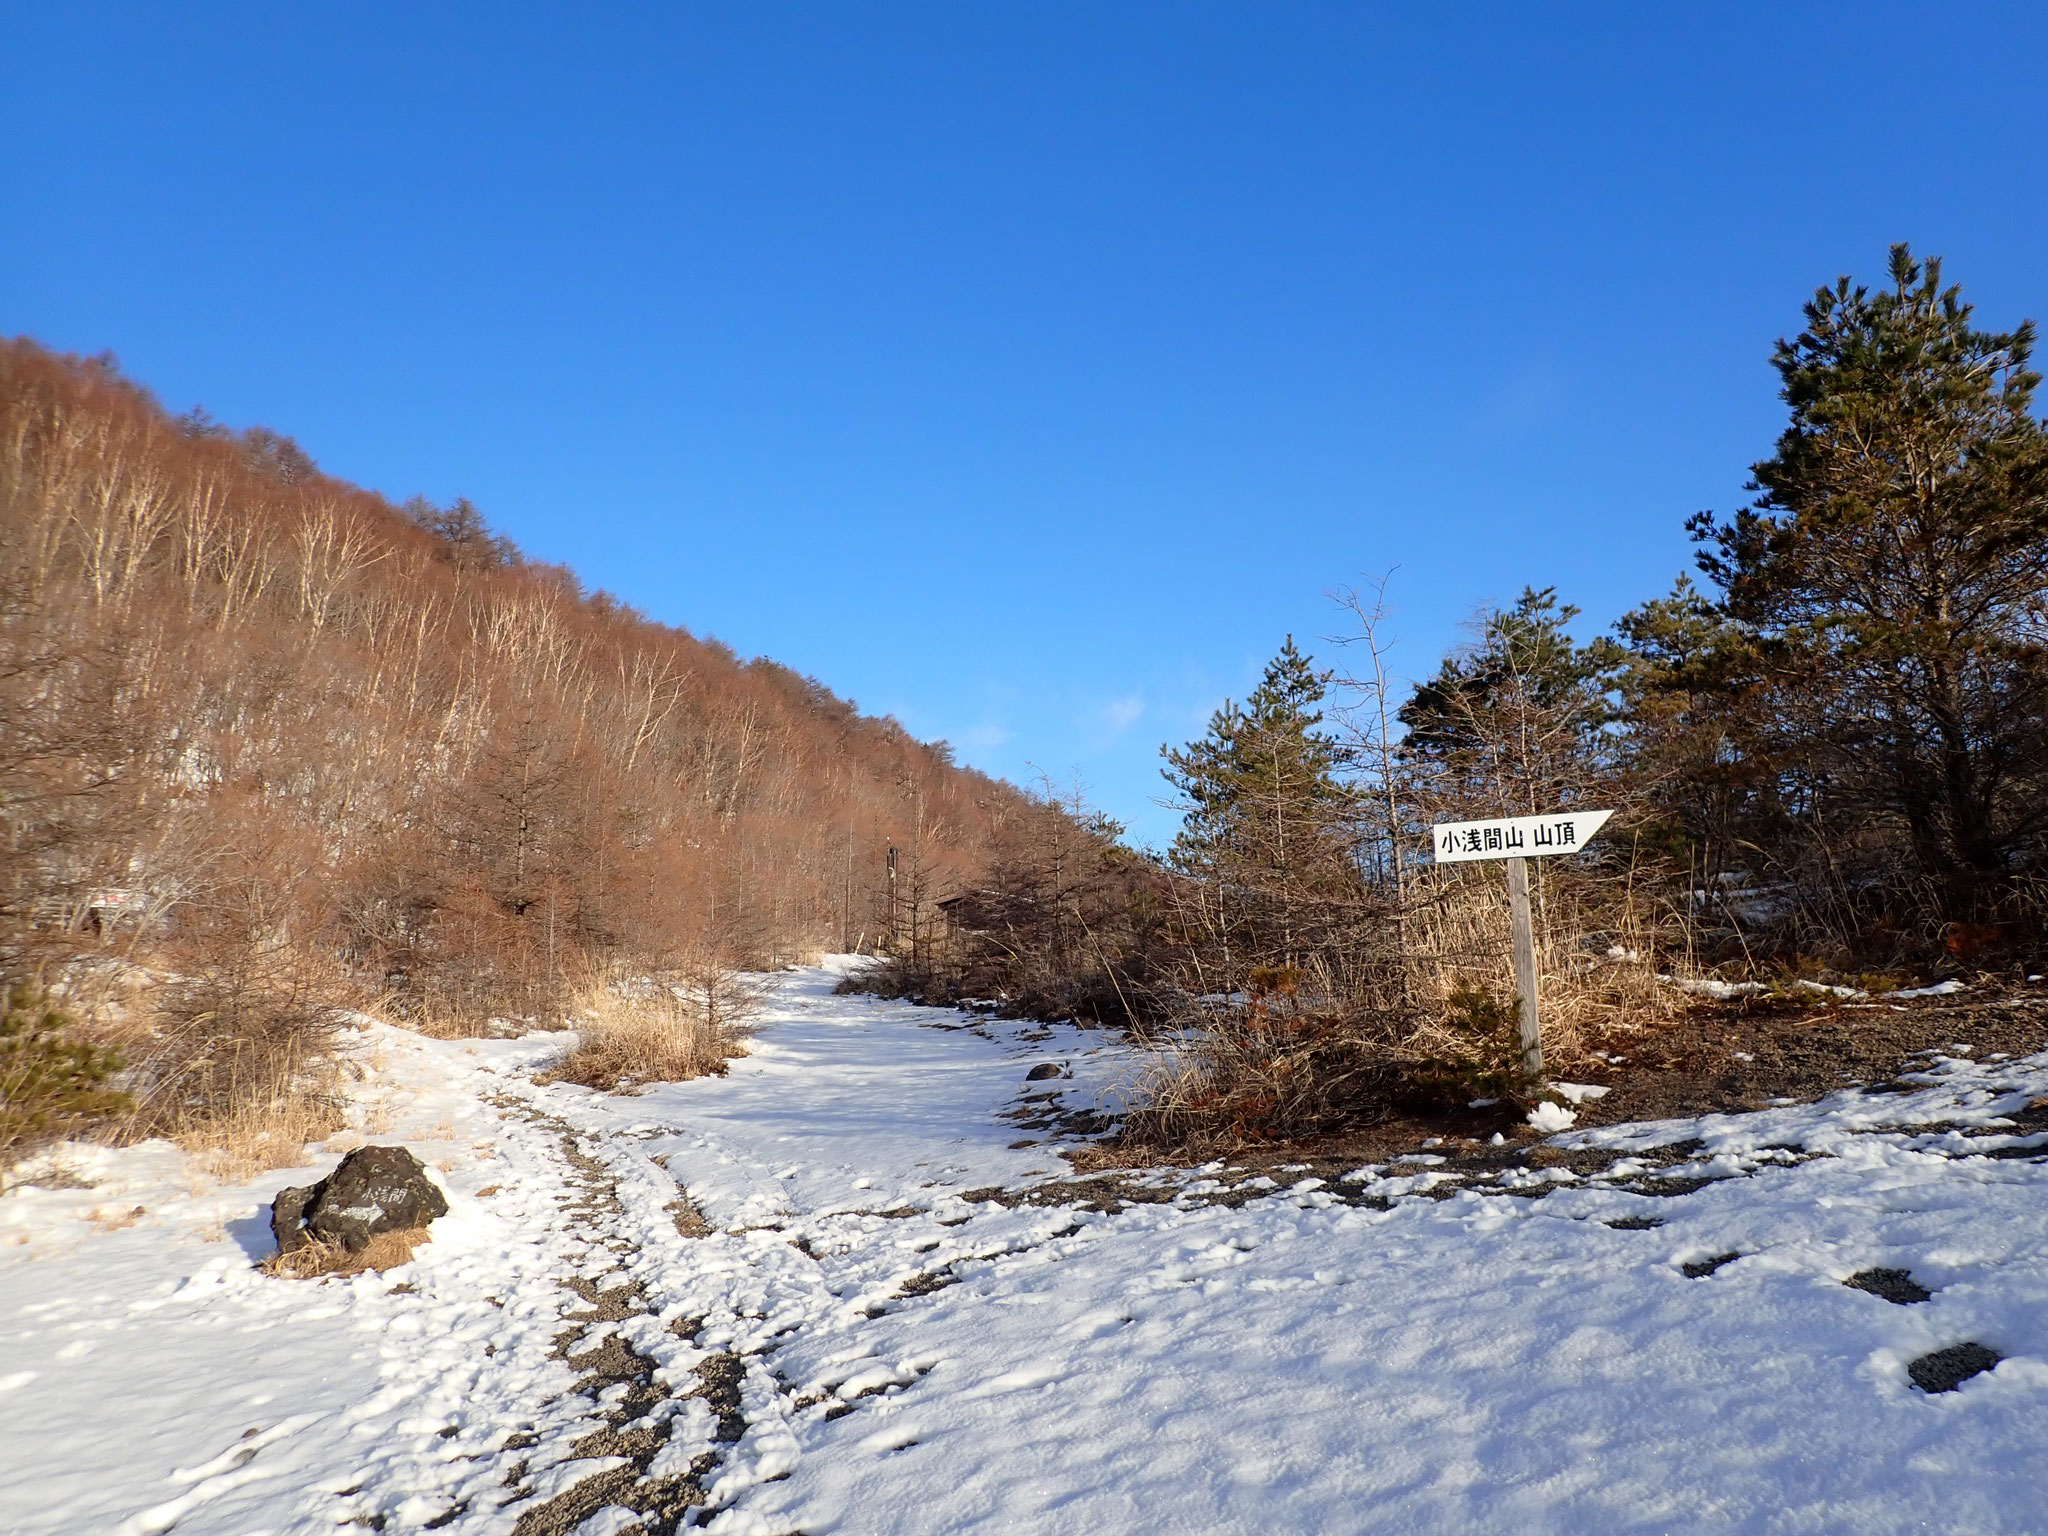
(832, 1292)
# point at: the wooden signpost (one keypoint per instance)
(1519, 839)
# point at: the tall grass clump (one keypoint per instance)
(635, 1030)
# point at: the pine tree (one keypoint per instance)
(1261, 789)
(1268, 841)
(50, 1081)
(1891, 577)
(1685, 679)
(1285, 961)
(1517, 722)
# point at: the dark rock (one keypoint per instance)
(373, 1190)
(288, 1217)
(1894, 1285)
(1042, 1071)
(1635, 1223)
(1947, 1369)
(1699, 1269)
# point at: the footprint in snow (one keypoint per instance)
(1699, 1269)
(1894, 1285)
(1947, 1369)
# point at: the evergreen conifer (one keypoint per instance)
(1890, 578)
(1260, 789)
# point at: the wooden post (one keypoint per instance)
(1455, 842)
(1525, 970)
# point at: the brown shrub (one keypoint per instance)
(238, 1063)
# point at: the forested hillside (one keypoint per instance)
(291, 746)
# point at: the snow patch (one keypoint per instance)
(1550, 1117)
(1395, 1351)
(1580, 1093)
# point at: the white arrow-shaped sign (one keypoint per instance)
(1519, 839)
(1516, 837)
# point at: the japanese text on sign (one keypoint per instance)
(1513, 837)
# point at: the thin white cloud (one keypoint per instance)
(1119, 715)
(986, 737)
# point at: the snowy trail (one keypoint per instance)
(766, 1303)
(169, 1386)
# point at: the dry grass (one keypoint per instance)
(633, 1031)
(1258, 1072)
(387, 1250)
(1596, 936)
(239, 1098)
(247, 1139)
(232, 1054)
(1299, 1053)
(441, 1020)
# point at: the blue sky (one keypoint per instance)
(1027, 371)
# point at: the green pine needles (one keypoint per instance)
(1261, 790)
(50, 1081)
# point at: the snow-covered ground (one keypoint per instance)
(810, 1327)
